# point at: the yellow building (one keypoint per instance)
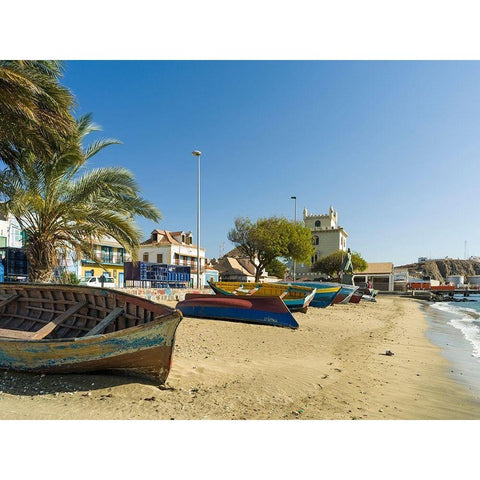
(327, 236)
(112, 256)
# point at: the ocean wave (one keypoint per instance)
(446, 307)
(470, 331)
(457, 309)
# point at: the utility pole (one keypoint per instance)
(295, 220)
(197, 153)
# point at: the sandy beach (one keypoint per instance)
(333, 367)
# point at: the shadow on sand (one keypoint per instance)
(31, 384)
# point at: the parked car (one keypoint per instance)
(109, 282)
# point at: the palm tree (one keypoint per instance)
(35, 110)
(61, 206)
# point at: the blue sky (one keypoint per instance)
(393, 146)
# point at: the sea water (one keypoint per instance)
(455, 328)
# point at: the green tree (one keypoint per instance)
(60, 206)
(270, 238)
(35, 110)
(276, 268)
(69, 278)
(332, 264)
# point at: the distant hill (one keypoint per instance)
(440, 269)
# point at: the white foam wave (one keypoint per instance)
(446, 307)
(470, 331)
(454, 308)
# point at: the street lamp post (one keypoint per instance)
(197, 153)
(295, 217)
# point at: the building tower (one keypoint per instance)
(327, 235)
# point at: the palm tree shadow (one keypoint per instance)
(32, 384)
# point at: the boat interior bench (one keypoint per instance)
(46, 329)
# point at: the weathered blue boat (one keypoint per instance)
(323, 296)
(343, 294)
(64, 329)
(238, 308)
(295, 297)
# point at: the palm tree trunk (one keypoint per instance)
(37, 275)
(42, 260)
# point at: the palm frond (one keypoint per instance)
(98, 145)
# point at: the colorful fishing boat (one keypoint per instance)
(238, 308)
(323, 296)
(295, 297)
(356, 296)
(343, 294)
(63, 329)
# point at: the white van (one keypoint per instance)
(109, 282)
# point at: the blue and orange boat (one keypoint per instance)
(238, 308)
(295, 297)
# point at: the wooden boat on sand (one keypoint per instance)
(63, 329)
(323, 297)
(238, 308)
(356, 296)
(295, 297)
(343, 295)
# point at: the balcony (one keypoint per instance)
(107, 260)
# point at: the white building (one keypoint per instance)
(10, 232)
(234, 266)
(173, 248)
(379, 274)
(327, 236)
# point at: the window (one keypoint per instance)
(317, 223)
(120, 255)
(145, 257)
(159, 257)
(107, 254)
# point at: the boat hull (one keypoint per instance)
(248, 309)
(344, 294)
(144, 351)
(323, 297)
(356, 296)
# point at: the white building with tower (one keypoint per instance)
(327, 236)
